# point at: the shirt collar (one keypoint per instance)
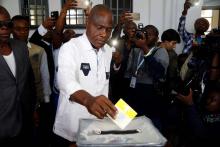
(88, 45)
(28, 44)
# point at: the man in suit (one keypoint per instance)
(17, 98)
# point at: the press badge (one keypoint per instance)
(133, 82)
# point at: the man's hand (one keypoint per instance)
(188, 100)
(125, 17)
(70, 4)
(100, 106)
(187, 5)
(48, 23)
(117, 58)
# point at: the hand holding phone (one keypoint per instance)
(135, 16)
(54, 15)
(194, 2)
(83, 4)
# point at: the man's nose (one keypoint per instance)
(103, 33)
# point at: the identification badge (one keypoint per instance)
(133, 82)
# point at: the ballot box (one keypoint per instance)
(105, 133)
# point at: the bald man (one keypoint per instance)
(201, 25)
(83, 75)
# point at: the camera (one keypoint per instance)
(140, 31)
(54, 15)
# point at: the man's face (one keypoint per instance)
(213, 102)
(20, 30)
(5, 28)
(152, 38)
(170, 45)
(130, 30)
(98, 30)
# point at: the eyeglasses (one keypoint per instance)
(7, 24)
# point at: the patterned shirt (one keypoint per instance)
(186, 36)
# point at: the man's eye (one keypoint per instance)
(109, 30)
(99, 27)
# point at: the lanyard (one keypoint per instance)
(139, 64)
(142, 61)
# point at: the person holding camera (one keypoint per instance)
(147, 69)
(193, 42)
(118, 83)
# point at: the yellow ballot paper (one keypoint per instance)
(125, 114)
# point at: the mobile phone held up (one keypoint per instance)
(83, 4)
(194, 2)
(135, 16)
(54, 15)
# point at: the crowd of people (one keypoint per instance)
(48, 82)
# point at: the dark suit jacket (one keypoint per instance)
(36, 38)
(17, 98)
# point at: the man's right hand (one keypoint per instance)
(70, 4)
(48, 23)
(187, 5)
(117, 57)
(100, 106)
(125, 17)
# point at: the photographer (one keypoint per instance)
(146, 68)
(118, 83)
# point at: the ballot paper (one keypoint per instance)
(125, 114)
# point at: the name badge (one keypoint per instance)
(133, 82)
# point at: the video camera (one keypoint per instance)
(140, 31)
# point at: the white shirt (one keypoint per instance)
(10, 60)
(80, 68)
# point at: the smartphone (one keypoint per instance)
(54, 15)
(83, 4)
(135, 16)
(194, 2)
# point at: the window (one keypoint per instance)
(76, 17)
(37, 10)
(207, 14)
(118, 6)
